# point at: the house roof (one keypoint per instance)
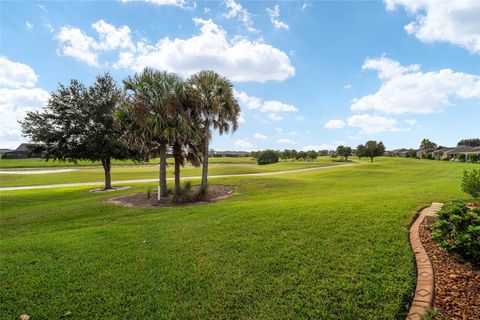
(442, 150)
(25, 147)
(459, 149)
(474, 150)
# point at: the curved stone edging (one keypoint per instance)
(424, 290)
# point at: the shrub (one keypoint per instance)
(267, 157)
(458, 230)
(471, 183)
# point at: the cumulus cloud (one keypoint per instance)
(347, 87)
(260, 136)
(15, 74)
(74, 43)
(388, 68)
(272, 107)
(274, 15)
(243, 143)
(235, 10)
(456, 22)
(28, 24)
(17, 96)
(237, 58)
(334, 124)
(371, 124)
(409, 90)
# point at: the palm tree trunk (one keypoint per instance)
(162, 180)
(108, 177)
(177, 154)
(205, 158)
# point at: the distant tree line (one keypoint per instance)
(154, 111)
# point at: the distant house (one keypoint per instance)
(438, 154)
(225, 154)
(422, 153)
(3, 151)
(399, 152)
(453, 153)
(475, 150)
(24, 151)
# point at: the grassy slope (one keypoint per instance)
(39, 163)
(324, 245)
(151, 172)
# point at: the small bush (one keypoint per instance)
(471, 183)
(267, 157)
(458, 230)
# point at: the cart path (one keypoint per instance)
(100, 183)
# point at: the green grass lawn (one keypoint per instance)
(329, 244)
(151, 172)
(40, 163)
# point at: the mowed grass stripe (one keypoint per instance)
(325, 245)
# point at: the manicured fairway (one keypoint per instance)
(39, 163)
(151, 172)
(329, 244)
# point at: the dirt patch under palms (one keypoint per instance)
(215, 193)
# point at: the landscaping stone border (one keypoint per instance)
(425, 288)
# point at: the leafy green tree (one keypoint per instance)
(312, 155)
(78, 124)
(374, 149)
(301, 155)
(471, 183)
(345, 152)
(411, 153)
(216, 106)
(360, 151)
(267, 157)
(469, 142)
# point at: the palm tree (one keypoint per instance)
(183, 132)
(215, 106)
(145, 116)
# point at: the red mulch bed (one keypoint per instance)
(457, 283)
(215, 192)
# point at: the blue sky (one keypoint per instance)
(308, 75)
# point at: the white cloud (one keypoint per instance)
(74, 43)
(243, 143)
(274, 117)
(371, 124)
(411, 122)
(235, 10)
(247, 101)
(334, 124)
(456, 22)
(305, 5)
(177, 3)
(17, 96)
(347, 87)
(15, 74)
(388, 68)
(285, 141)
(409, 90)
(28, 24)
(111, 37)
(260, 136)
(293, 133)
(279, 130)
(270, 106)
(238, 59)
(274, 18)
